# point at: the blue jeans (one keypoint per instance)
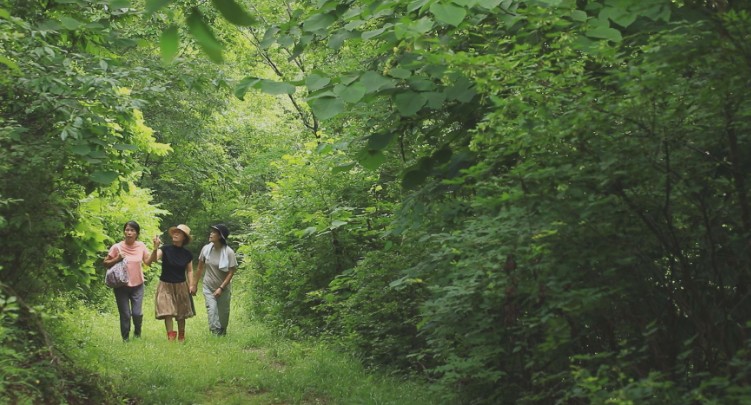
(129, 305)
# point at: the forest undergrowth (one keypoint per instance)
(248, 366)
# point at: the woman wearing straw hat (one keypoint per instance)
(173, 294)
(220, 263)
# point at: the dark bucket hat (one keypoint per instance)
(223, 231)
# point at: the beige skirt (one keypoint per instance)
(173, 300)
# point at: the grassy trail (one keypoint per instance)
(248, 366)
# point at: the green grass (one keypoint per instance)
(248, 366)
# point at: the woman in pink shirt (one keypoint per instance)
(130, 297)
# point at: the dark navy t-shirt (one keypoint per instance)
(174, 260)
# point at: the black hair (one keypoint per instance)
(134, 225)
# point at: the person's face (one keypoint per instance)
(214, 236)
(178, 238)
(130, 233)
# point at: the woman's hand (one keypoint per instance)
(192, 290)
(157, 242)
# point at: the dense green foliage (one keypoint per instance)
(526, 201)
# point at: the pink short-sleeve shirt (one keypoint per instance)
(136, 254)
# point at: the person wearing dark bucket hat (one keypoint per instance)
(219, 263)
(223, 231)
(173, 293)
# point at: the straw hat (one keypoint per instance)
(184, 229)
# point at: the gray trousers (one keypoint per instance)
(129, 305)
(217, 310)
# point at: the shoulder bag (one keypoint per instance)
(117, 275)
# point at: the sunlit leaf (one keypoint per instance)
(276, 88)
(204, 36)
(169, 43)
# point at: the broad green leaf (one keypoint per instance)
(315, 82)
(104, 176)
(326, 107)
(400, 73)
(81, 150)
(204, 36)
(414, 178)
(489, 4)
(348, 78)
(154, 5)
(579, 15)
(269, 37)
(603, 32)
(442, 155)
(417, 4)
(320, 94)
(276, 88)
(448, 13)
(435, 99)
(233, 13)
(409, 103)
(9, 63)
(119, 4)
(421, 84)
(336, 40)
(374, 81)
(461, 90)
(380, 140)
(244, 85)
(70, 23)
(373, 33)
(371, 159)
(169, 43)
(352, 93)
(412, 29)
(548, 3)
(618, 15)
(342, 168)
(318, 22)
(337, 224)
(465, 3)
(308, 231)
